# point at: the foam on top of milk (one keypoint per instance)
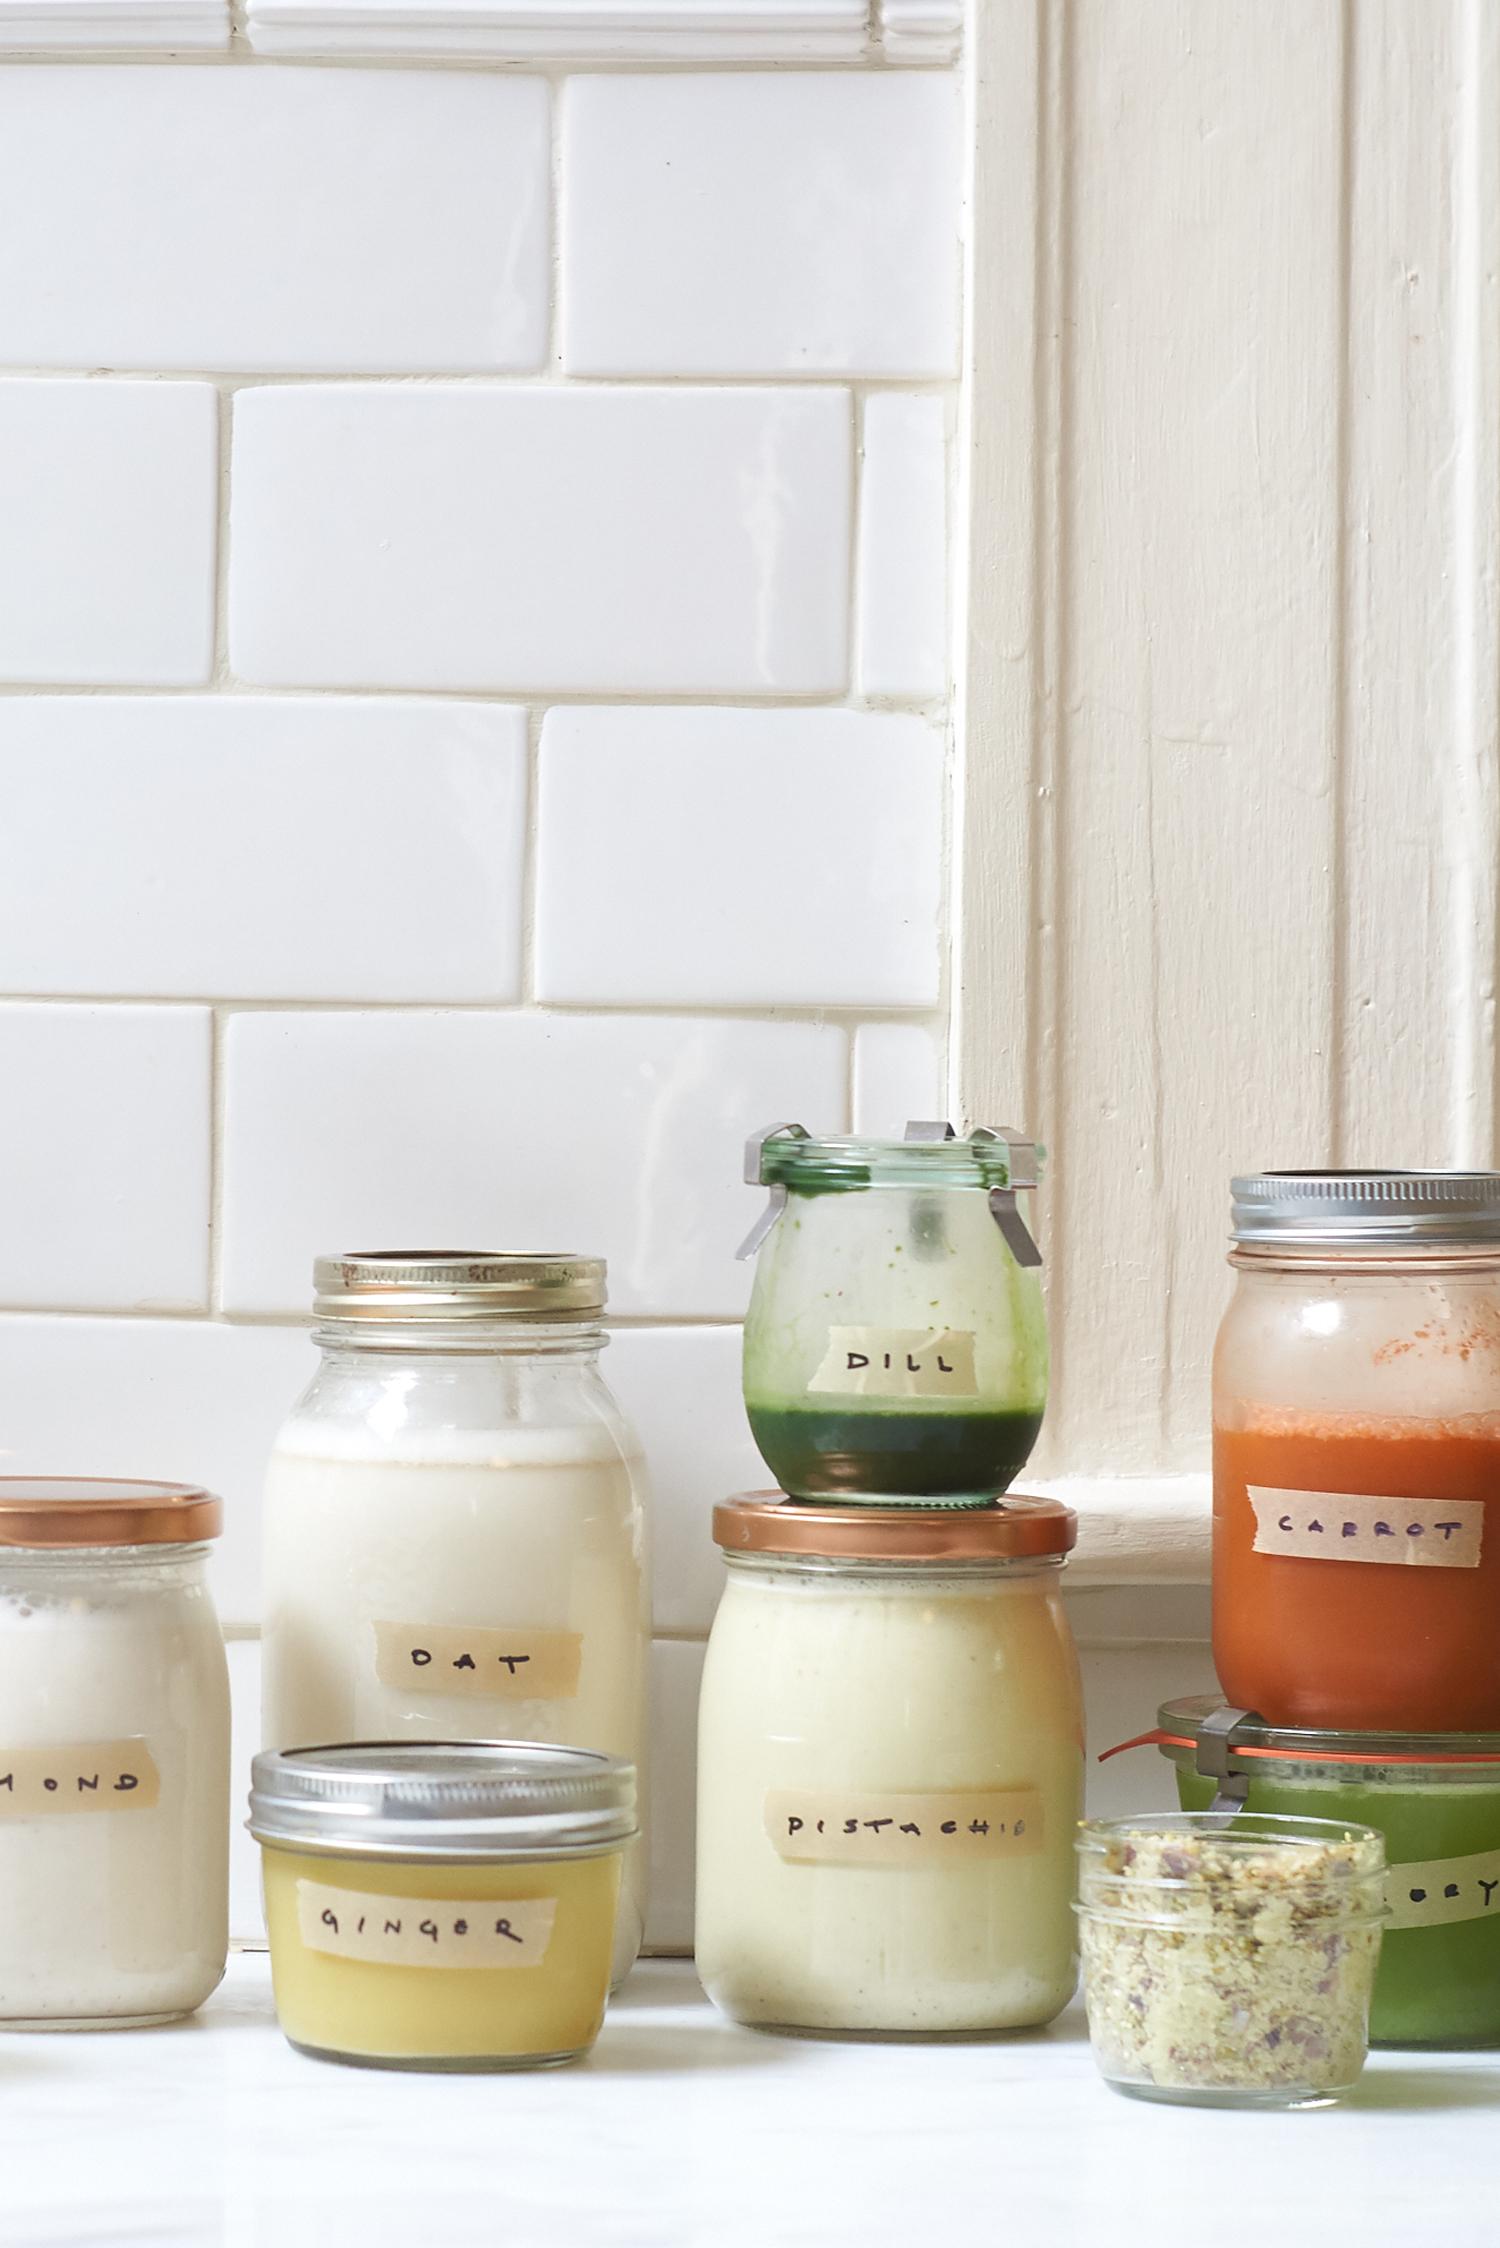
(594, 1444)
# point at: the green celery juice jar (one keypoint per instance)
(895, 1345)
(1436, 1799)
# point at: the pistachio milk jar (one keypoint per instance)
(455, 1543)
(890, 1769)
(895, 1346)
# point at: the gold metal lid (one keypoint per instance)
(1013, 1529)
(56, 1511)
(409, 1285)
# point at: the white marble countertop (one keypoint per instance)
(683, 2129)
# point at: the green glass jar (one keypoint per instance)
(1435, 1798)
(895, 1346)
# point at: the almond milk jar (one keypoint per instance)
(455, 1543)
(114, 1755)
(895, 1346)
(890, 1769)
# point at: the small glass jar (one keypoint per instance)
(1356, 1563)
(895, 1346)
(445, 1905)
(1228, 1959)
(455, 1534)
(114, 1755)
(1436, 1800)
(890, 1757)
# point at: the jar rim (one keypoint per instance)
(837, 1163)
(428, 1800)
(415, 1286)
(53, 1513)
(1373, 1209)
(1180, 1722)
(1017, 1527)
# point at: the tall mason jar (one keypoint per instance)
(1357, 1452)
(895, 1345)
(456, 1536)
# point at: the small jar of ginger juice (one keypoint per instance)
(442, 1904)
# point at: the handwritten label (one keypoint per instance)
(1332, 1526)
(515, 1664)
(813, 1828)
(897, 1362)
(425, 1931)
(1433, 1892)
(97, 1776)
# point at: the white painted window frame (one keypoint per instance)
(1409, 506)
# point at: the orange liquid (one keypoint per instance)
(1368, 1646)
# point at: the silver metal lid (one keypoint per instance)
(460, 1800)
(458, 1284)
(1367, 1209)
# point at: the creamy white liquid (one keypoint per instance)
(119, 1912)
(841, 1688)
(525, 1530)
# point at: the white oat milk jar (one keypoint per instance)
(114, 1755)
(455, 1537)
(890, 1769)
(895, 1345)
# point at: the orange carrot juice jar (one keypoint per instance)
(1357, 1451)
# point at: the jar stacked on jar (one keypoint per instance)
(890, 1742)
(455, 1555)
(1356, 1560)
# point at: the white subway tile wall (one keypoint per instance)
(245, 847)
(660, 540)
(707, 232)
(464, 797)
(108, 494)
(273, 219)
(786, 857)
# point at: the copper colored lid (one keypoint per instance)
(58, 1510)
(1013, 1529)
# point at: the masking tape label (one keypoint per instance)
(1334, 1526)
(424, 1931)
(513, 1664)
(819, 1827)
(897, 1362)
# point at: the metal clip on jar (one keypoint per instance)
(441, 1905)
(895, 1346)
(1357, 1452)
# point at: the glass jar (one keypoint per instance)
(114, 1755)
(890, 1755)
(1436, 1800)
(441, 1906)
(1228, 1959)
(455, 1535)
(1356, 1563)
(895, 1346)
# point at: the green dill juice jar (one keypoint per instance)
(895, 1346)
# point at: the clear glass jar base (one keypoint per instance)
(1224, 2096)
(465, 2064)
(44, 2023)
(980, 2035)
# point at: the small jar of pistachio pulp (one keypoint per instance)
(441, 1904)
(895, 1347)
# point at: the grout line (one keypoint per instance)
(216, 1128)
(200, 1315)
(500, 380)
(856, 529)
(814, 1014)
(535, 719)
(514, 696)
(221, 673)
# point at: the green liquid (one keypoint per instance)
(1434, 1986)
(943, 1457)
